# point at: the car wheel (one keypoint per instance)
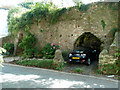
(88, 61)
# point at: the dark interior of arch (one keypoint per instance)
(87, 39)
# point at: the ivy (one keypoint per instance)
(40, 11)
(11, 13)
(103, 24)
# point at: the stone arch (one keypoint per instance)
(87, 39)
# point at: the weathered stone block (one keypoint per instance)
(58, 58)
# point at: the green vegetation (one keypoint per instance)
(26, 5)
(30, 50)
(41, 30)
(49, 64)
(116, 55)
(60, 35)
(83, 7)
(78, 70)
(61, 66)
(9, 47)
(98, 71)
(37, 63)
(110, 69)
(39, 11)
(49, 50)
(28, 45)
(113, 5)
(36, 13)
(11, 13)
(55, 15)
(103, 24)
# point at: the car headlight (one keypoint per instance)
(70, 55)
(83, 55)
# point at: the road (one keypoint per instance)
(87, 70)
(14, 76)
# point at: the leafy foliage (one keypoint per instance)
(110, 69)
(103, 24)
(26, 4)
(28, 45)
(9, 47)
(11, 13)
(36, 14)
(49, 50)
(37, 63)
(55, 15)
(113, 5)
(78, 70)
(62, 65)
(83, 7)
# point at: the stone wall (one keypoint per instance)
(74, 23)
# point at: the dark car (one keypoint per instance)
(83, 55)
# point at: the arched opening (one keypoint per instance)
(86, 40)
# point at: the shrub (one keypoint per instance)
(9, 47)
(37, 63)
(49, 50)
(28, 45)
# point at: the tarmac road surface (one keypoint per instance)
(14, 76)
